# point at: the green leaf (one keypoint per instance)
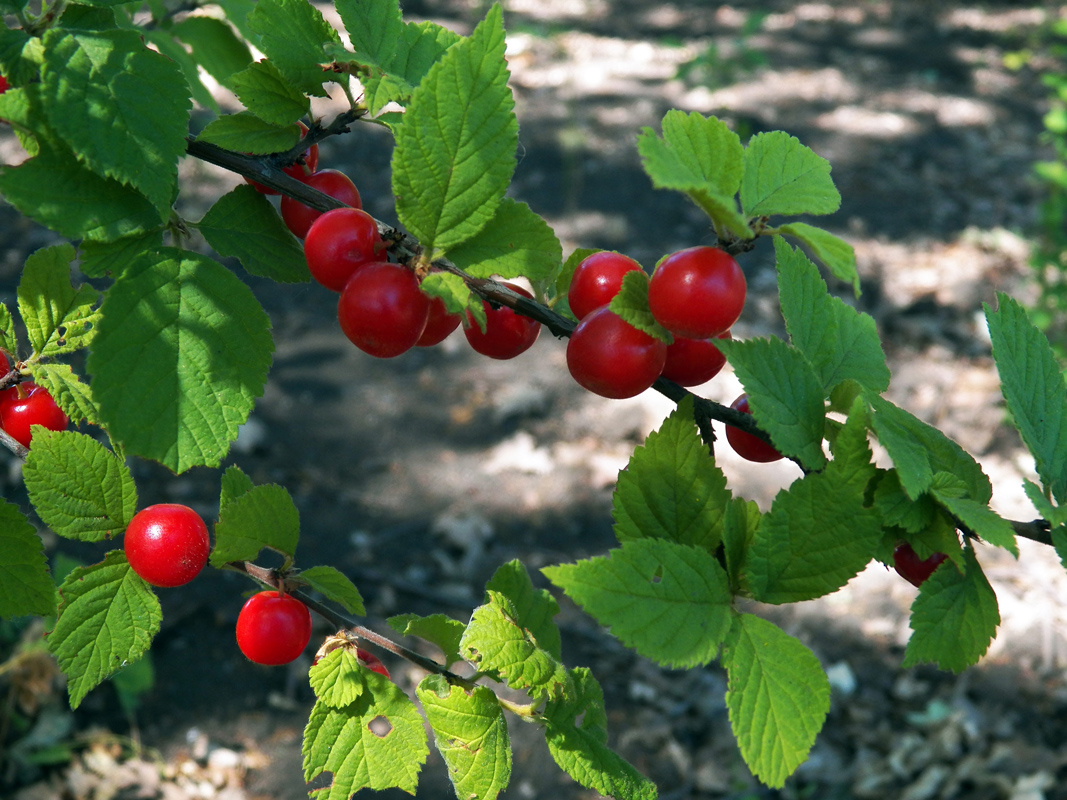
(361, 750)
(471, 735)
(437, 629)
(668, 601)
(672, 489)
(8, 340)
(215, 47)
(72, 396)
(181, 354)
(839, 342)
(979, 517)
(294, 35)
(835, 253)
(631, 303)
(110, 259)
(122, 108)
(337, 678)
(375, 29)
(1034, 389)
(707, 148)
(1059, 541)
(515, 243)
(739, 532)
(265, 92)
(452, 290)
(247, 133)
(79, 488)
(163, 41)
(455, 147)
(919, 451)
(244, 225)
(58, 318)
(108, 617)
(784, 394)
(782, 176)
(897, 509)
(778, 697)
(234, 484)
(264, 516)
(577, 733)
(533, 609)
(954, 618)
(25, 585)
(332, 583)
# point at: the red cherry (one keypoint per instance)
(382, 310)
(299, 217)
(339, 242)
(297, 170)
(273, 628)
(913, 569)
(597, 279)
(371, 662)
(745, 444)
(4, 85)
(26, 405)
(697, 293)
(612, 358)
(167, 544)
(691, 362)
(439, 324)
(507, 334)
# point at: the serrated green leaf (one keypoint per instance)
(839, 342)
(471, 735)
(778, 697)
(437, 629)
(25, 585)
(835, 253)
(784, 394)
(353, 744)
(671, 489)
(782, 176)
(740, 523)
(165, 43)
(1059, 541)
(1033, 388)
(452, 290)
(631, 304)
(72, 396)
(122, 108)
(455, 147)
(669, 602)
(515, 243)
(234, 484)
(954, 618)
(532, 609)
(264, 516)
(244, 225)
(294, 34)
(8, 341)
(707, 148)
(897, 509)
(58, 318)
(108, 617)
(247, 133)
(265, 92)
(1055, 515)
(332, 583)
(110, 259)
(337, 678)
(981, 519)
(182, 352)
(79, 488)
(215, 47)
(375, 29)
(577, 736)
(16, 56)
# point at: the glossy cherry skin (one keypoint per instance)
(371, 662)
(697, 293)
(597, 279)
(299, 217)
(611, 358)
(167, 544)
(691, 362)
(745, 444)
(4, 85)
(26, 405)
(439, 324)
(300, 171)
(507, 334)
(913, 569)
(382, 310)
(338, 243)
(273, 628)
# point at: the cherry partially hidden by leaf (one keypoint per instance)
(299, 170)
(273, 628)
(167, 544)
(913, 569)
(506, 334)
(439, 324)
(596, 280)
(611, 358)
(691, 362)
(749, 447)
(371, 662)
(299, 217)
(26, 405)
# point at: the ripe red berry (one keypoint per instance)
(273, 628)
(371, 662)
(26, 405)
(439, 324)
(697, 293)
(507, 334)
(913, 569)
(299, 217)
(597, 279)
(745, 444)
(691, 362)
(300, 171)
(167, 544)
(339, 242)
(382, 310)
(612, 358)
(4, 85)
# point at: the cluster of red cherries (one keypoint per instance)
(26, 404)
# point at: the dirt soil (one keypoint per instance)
(420, 475)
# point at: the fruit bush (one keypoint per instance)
(178, 349)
